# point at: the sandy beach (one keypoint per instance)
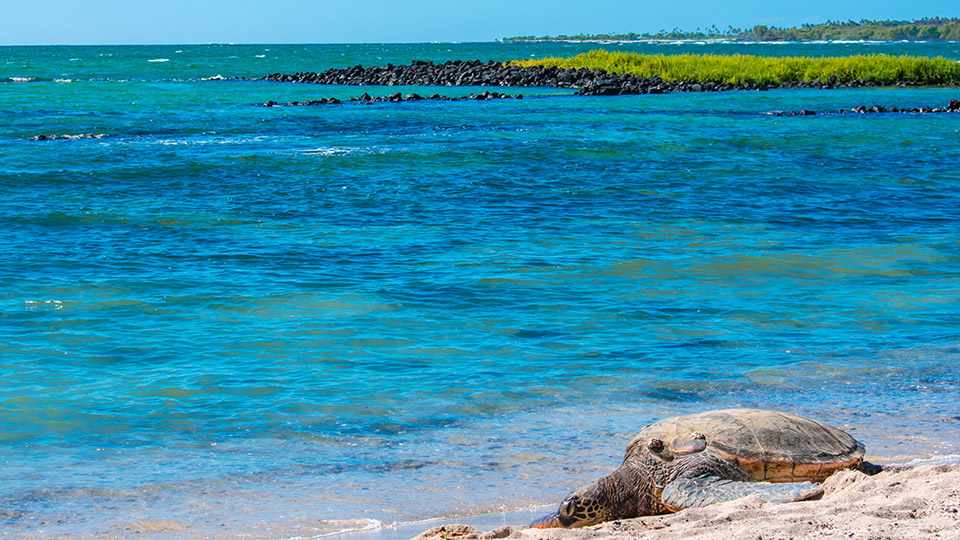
(921, 502)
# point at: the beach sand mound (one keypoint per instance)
(917, 503)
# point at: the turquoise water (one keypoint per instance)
(221, 319)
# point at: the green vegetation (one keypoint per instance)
(930, 29)
(740, 68)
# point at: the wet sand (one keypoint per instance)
(920, 502)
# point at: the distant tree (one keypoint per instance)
(927, 29)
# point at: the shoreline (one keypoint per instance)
(916, 502)
(513, 522)
(720, 41)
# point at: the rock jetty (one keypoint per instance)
(587, 82)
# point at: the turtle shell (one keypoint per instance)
(770, 446)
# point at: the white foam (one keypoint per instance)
(210, 141)
(33, 305)
(344, 527)
(948, 459)
(159, 60)
(22, 79)
(409, 529)
(328, 151)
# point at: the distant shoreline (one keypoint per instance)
(717, 41)
(929, 29)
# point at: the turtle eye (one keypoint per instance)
(568, 508)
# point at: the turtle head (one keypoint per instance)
(582, 508)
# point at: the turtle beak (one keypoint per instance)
(549, 521)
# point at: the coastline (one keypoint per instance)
(721, 41)
(712, 41)
(917, 502)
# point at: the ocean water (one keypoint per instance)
(220, 320)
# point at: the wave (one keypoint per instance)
(212, 139)
(485, 519)
(328, 151)
(39, 79)
(337, 527)
(159, 60)
(43, 305)
(943, 459)
(68, 137)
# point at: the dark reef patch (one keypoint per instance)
(953, 106)
(397, 97)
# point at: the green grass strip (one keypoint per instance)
(741, 68)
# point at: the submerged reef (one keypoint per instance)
(953, 106)
(397, 97)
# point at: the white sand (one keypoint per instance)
(917, 503)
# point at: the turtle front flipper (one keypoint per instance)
(700, 491)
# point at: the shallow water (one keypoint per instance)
(222, 319)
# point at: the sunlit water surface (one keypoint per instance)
(224, 320)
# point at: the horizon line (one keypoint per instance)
(509, 40)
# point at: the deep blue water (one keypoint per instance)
(223, 319)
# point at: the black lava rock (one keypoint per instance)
(587, 82)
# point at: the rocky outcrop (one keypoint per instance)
(397, 97)
(420, 73)
(587, 82)
(953, 106)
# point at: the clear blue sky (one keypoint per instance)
(40, 22)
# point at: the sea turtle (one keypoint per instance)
(715, 456)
